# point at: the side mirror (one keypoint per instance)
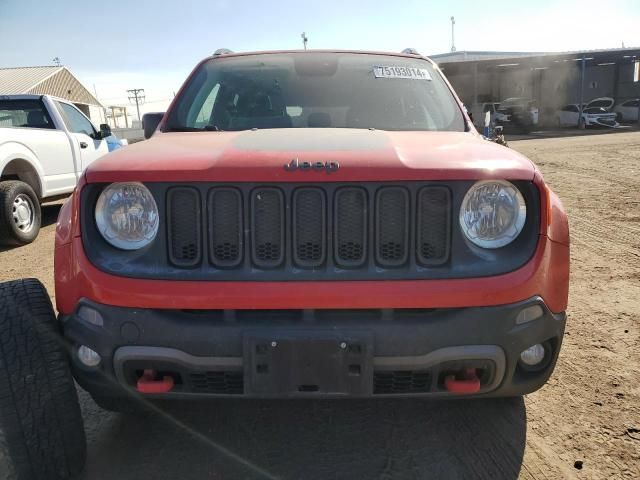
(105, 130)
(150, 122)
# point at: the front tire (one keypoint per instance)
(39, 411)
(20, 215)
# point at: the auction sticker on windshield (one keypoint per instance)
(410, 73)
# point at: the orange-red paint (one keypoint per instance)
(363, 156)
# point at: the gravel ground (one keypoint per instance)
(584, 424)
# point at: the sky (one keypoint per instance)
(116, 45)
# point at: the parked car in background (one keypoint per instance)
(45, 144)
(568, 115)
(479, 110)
(519, 113)
(628, 110)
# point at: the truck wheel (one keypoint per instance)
(20, 215)
(39, 413)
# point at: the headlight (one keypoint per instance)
(127, 215)
(492, 213)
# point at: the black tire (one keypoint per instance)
(10, 232)
(39, 411)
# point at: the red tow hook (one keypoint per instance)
(469, 384)
(148, 384)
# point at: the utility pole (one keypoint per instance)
(583, 68)
(636, 79)
(453, 38)
(137, 95)
(303, 35)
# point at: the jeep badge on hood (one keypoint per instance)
(296, 164)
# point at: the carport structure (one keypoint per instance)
(553, 79)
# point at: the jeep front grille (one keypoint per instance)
(348, 229)
(323, 231)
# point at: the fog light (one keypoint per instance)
(88, 357)
(532, 356)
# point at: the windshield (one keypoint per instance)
(316, 90)
(595, 110)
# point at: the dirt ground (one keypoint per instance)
(584, 424)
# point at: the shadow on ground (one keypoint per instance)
(353, 439)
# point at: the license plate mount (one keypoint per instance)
(308, 363)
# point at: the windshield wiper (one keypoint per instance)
(180, 128)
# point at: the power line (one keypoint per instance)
(137, 95)
(120, 99)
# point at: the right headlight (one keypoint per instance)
(127, 215)
(492, 213)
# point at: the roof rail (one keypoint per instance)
(222, 51)
(410, 51)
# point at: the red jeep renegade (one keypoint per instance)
(300, 224)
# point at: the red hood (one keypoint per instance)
(260, 156)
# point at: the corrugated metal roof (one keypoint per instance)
(22, 79)
(481, 56)
(52, 80)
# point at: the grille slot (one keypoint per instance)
(267, 227)
(392, 226)
(225, 227)
(401, 381)
(230, 383)
(309, 227)
(350, 219)
(433, 225)
(184, 232)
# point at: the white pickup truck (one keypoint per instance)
(45, 144)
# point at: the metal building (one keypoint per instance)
(50, 80)
(552, 79)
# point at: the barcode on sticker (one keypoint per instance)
(410, 73)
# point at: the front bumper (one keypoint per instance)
(386, 352)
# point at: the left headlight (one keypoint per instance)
(492, 213)
(127, 215)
